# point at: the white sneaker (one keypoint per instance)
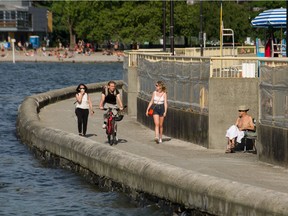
(104, 126)
(160, 140)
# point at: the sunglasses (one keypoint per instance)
(81, 88)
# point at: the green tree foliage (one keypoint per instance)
(66, 15)
(141, 21)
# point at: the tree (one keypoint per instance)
(67, 12)
(186, 20)
(141, 21)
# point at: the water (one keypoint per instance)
(27, 186)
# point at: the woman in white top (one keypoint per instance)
(159, 104)
(83, 104)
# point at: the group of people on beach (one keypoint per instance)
(110, 98)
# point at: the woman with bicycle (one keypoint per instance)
(83, 105)
(159, 104)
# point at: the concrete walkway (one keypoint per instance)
(137, 139)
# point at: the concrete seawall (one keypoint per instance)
(185, 187)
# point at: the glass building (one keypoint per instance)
(19, 20)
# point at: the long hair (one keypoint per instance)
(162, 86)
(78, 87)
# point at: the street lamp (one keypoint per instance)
(172, 26)
(221, 29)
(164, 25)
(201, 33)
(201, 27)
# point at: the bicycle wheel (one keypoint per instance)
(114, 138)
(109, 132)
(109, 138)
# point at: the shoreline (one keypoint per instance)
(96, 57)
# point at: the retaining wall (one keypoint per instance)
(225, 96)
(272, 144)
(190, 189)
(180, 124)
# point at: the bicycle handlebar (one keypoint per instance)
(118, 109)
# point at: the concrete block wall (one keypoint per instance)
(191, 189)
(130, 91)
(272, 144)
(225, 95)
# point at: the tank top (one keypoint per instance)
(84, 104)
(159, 100)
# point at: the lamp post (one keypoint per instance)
(172, 26)
(221, 37)
(201, 27)
(201, 33)
(164, 25)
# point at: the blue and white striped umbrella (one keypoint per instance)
(275, 18)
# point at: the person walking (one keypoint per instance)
(159, 104)
(83, 105)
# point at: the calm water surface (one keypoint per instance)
(28, 187)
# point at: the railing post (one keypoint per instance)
(132, 84)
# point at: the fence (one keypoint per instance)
(187, 80)
(274, 94)
(215, 51)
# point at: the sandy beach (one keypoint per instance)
(39, 57)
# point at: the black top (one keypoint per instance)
(111, 97)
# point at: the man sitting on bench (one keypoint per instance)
(236, 132)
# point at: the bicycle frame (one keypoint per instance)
(111, 127)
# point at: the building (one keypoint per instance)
(20, 20)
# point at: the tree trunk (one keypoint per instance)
(72, 37)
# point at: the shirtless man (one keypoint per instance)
(244, 122)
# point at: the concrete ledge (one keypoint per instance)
(272, 144)
(191, 189)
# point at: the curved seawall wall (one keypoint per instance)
(190, 189)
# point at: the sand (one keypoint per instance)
(20, 56)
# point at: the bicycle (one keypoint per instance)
(111, 125)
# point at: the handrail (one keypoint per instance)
(219, 66)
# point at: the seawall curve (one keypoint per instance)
(188, 188)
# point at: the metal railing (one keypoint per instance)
(187, 80)
(220, 67)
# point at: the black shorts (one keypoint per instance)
(159, 109)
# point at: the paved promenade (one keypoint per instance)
(137, 139)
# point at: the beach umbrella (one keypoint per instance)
(273, 18)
